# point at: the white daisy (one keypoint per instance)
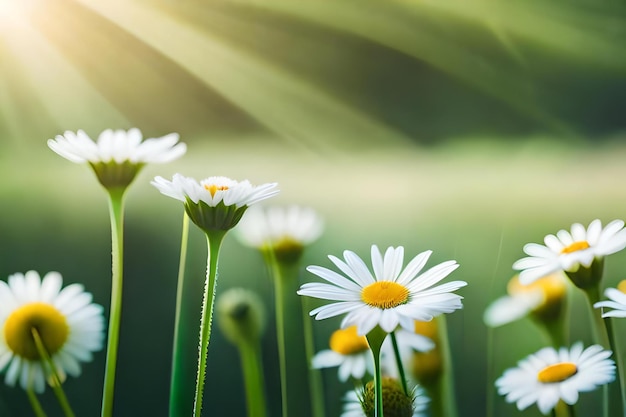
(549, 375)
(215, 203)
(567, 251)
(353, 407)
(118, 155)
(617, 297)
(278, 225)
(349, 351)
(71, 327)
(117, 146)
(543, 296)
(388, 298)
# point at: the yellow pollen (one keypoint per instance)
(427, 328)
(622, 286)
(557, 372)
(385, 294)
(576, 246)
(212, 188)
(46, 319)
(347, 341)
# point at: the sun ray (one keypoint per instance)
(282, 101)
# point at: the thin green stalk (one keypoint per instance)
(375, 338)
(448, 394)
(34, 403)
(253, 378)
(116, 211)
(279, 299)
(56, 381)
(396, 352)
(214, 242)
(180, 384)
(315, 376)
(600, 335)
(619, 359)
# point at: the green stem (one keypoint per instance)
(396, 352)
(448, 394)
(214, 242)
(116, 210)
(253, 378)
(52, 369)
(600, 335)
(279, 299)
(619, 359)
(375, 338)
(315, 376)
(34, 403)
(180, 382)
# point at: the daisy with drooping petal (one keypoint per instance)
(70, 326)
(117, 155)
(543, 298)
(551, 375)
(569, 251)
(349, 351)
(396, 403)
(284, 230)
(390, 297)
(215, 203)
(616, 301)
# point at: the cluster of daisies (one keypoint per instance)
(391, 341)
(559, 373)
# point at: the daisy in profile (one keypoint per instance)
(579, 253)
(616, 301)
(551, 375)
(69, 325)
(349, 351)
(215, 203)
(543, 299)
(284, 230)
(118, 155)
(389, 297)
(395, 401)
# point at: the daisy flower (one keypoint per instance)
(394, 400)
(568, 251)
(349, 351)
(285, 230)
(215, 203)
(117, 155)
(617, 297)
(71, 327)
(390, 297)
(543, 298)
(549, 375)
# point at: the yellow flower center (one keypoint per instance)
(427, 328)
(347, 341)
(385, 294)
(557, 372)
(553, 287)
(213, 188)
(622, 286)
(46, 319)
(576, 246)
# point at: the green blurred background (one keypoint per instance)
(468, 127)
